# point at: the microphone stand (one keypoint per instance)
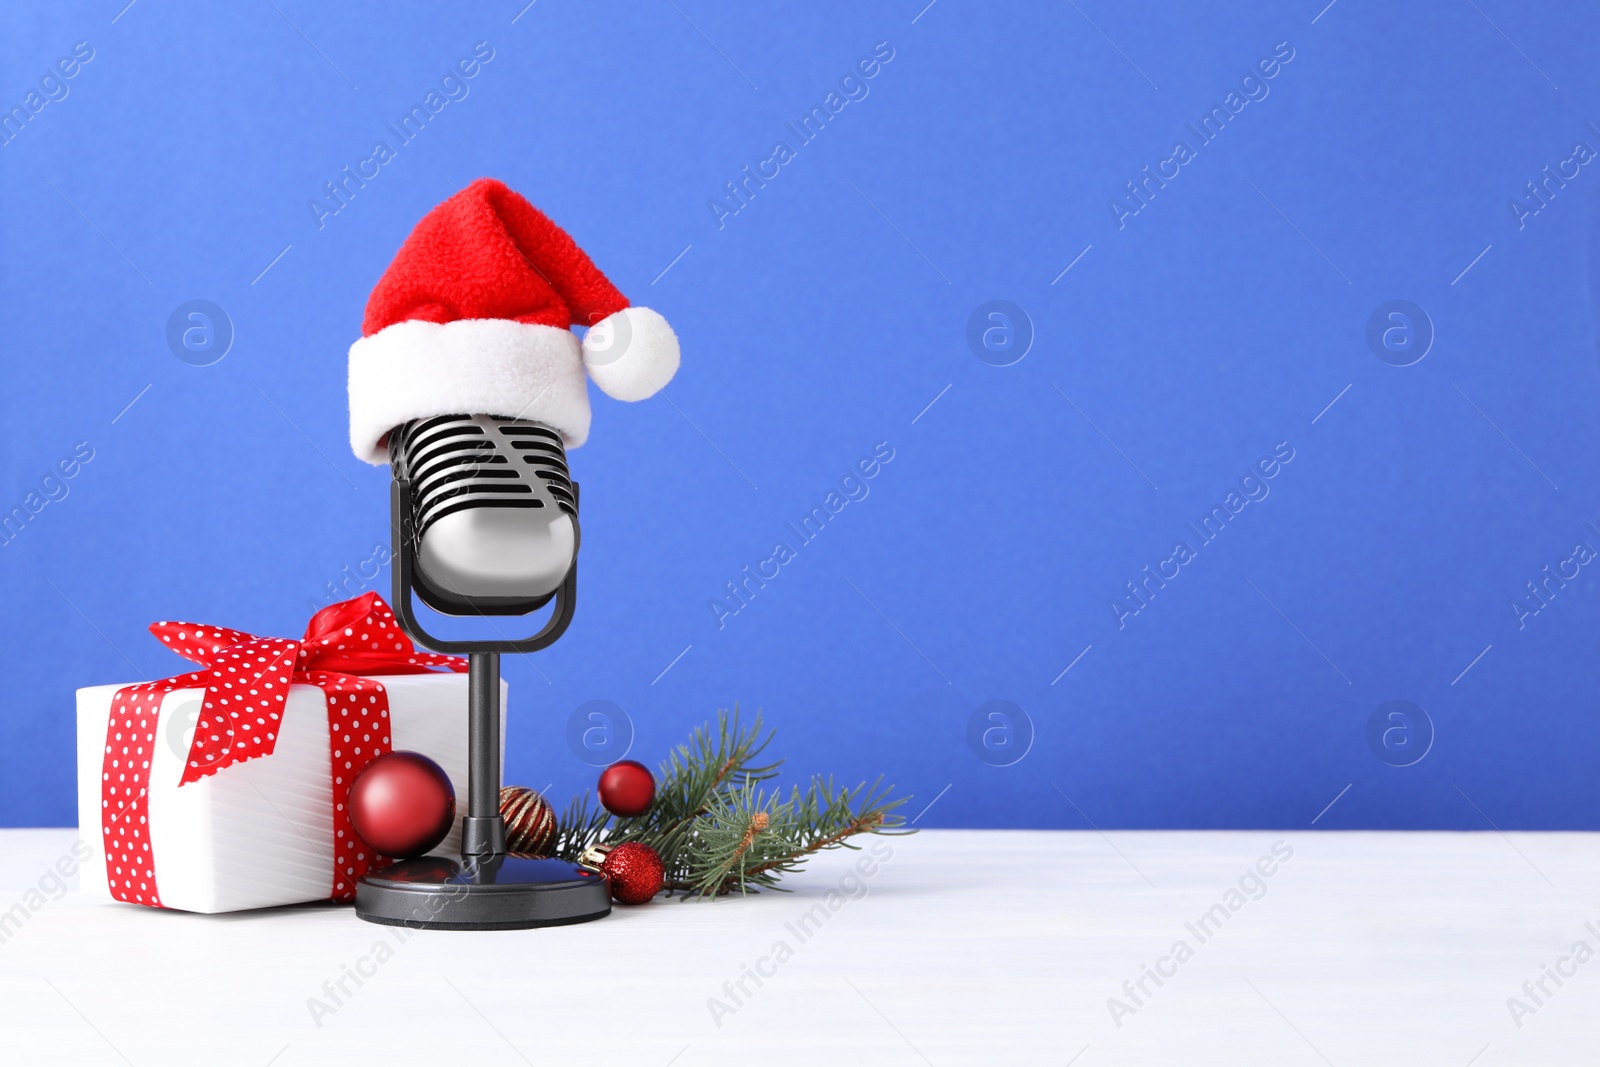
(488, 888)
(483, 831)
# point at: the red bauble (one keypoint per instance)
(626, 788)
(530, 824)
(635, 871)
(402, 804)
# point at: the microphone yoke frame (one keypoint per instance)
(446, 464)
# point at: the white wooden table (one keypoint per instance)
(962, 948)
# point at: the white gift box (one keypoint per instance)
(260, 833)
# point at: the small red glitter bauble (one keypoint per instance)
(402, 804)
(530, 824)
(626, 788)
(635, 871)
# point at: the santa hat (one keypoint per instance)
(473, 317)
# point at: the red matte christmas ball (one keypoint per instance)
(626, 788)
(402, 804)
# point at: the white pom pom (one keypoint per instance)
(632, 354)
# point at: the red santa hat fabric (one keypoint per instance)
(473, 316)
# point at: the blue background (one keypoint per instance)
(823, 318)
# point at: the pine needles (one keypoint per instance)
(718, 829)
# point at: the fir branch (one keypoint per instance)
(685, 785)
(690, 780)
(741, 831)
(817, 821)
(579, 829)
(717, 830)
(749, 839)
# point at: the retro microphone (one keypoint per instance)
(483, 509)
(494, 513)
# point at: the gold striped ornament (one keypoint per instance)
(530, 823)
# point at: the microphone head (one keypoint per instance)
(494, 512)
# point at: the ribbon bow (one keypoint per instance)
(246, 683)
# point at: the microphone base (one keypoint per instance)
(499, 892)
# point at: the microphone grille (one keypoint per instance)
(455, 462)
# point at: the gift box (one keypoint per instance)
(224, 789)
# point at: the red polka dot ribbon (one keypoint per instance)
(246, 686)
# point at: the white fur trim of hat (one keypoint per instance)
(416, 370)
